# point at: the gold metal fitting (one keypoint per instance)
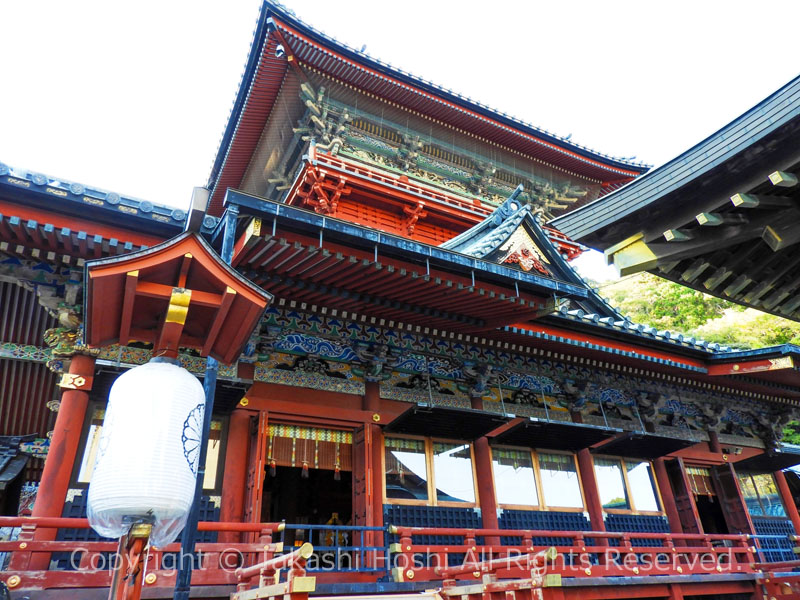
(410, 574)
(376, 417)
(719, 569)
(476, 574)
(13, 581)
(23, 545)
(587, 571)
(141, 530)
(178, 307)
(244, 401)
(408, 548)
(150, 578)
(680, 569)
(306, 550)
(636, 570)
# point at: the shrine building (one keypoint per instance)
(430, 388)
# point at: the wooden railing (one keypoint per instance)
(511, 554)
(580, 553)
(88, 563)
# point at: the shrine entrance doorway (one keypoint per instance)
(308, 480)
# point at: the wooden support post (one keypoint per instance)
(376, 501)
(486, 492)
(589, 482)
(234, 480)
(668, 498)
(372, 402)
(788, 500)
(675, 592)
(62, 454)
(713, 442)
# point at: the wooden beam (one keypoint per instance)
(760, 201)
(774, 276)
(641, 256)
(697, 268)
(711, 219)
(729, 267)
(782, 179)
(778, 237)
(678, 235)
(753, 273)
(169, 337)
(128, 299)
(185, 264)
(160, 290)
(219, 319)
(752, 366)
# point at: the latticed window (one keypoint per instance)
(626, 484)
(761, 495)
(425, 471)
(526, 478)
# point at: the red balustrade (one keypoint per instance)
(580, 554)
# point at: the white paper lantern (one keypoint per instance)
(148, 452)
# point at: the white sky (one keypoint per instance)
(133, 97)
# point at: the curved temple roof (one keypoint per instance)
(721, 218)
(304, 46)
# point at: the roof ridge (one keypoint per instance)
(566, 140)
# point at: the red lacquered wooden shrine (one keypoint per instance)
(433, 400)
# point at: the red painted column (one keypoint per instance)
(486, 492)
(372, 403)
(667, 496)
(788, 500)
(713, 442)
(589, 482)
(62, 454)
(374, 483)
(487, 499)
(234, 479)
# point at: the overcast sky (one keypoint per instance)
(133, 97)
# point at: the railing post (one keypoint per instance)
(21, 559)
(788, 500)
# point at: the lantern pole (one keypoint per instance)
(183, 581)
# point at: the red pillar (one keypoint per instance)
(372, 403)
(234, 479)
(667, 496)
(788, 500)
(713, 442)
(486, 493)
(487, 499)
(374, 475)
(62, 454)
(593, 504)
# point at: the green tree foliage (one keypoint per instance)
(657, 302)
(660, 303)
(791, 433)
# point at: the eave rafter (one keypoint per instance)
(740, 247)
(177, 294)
